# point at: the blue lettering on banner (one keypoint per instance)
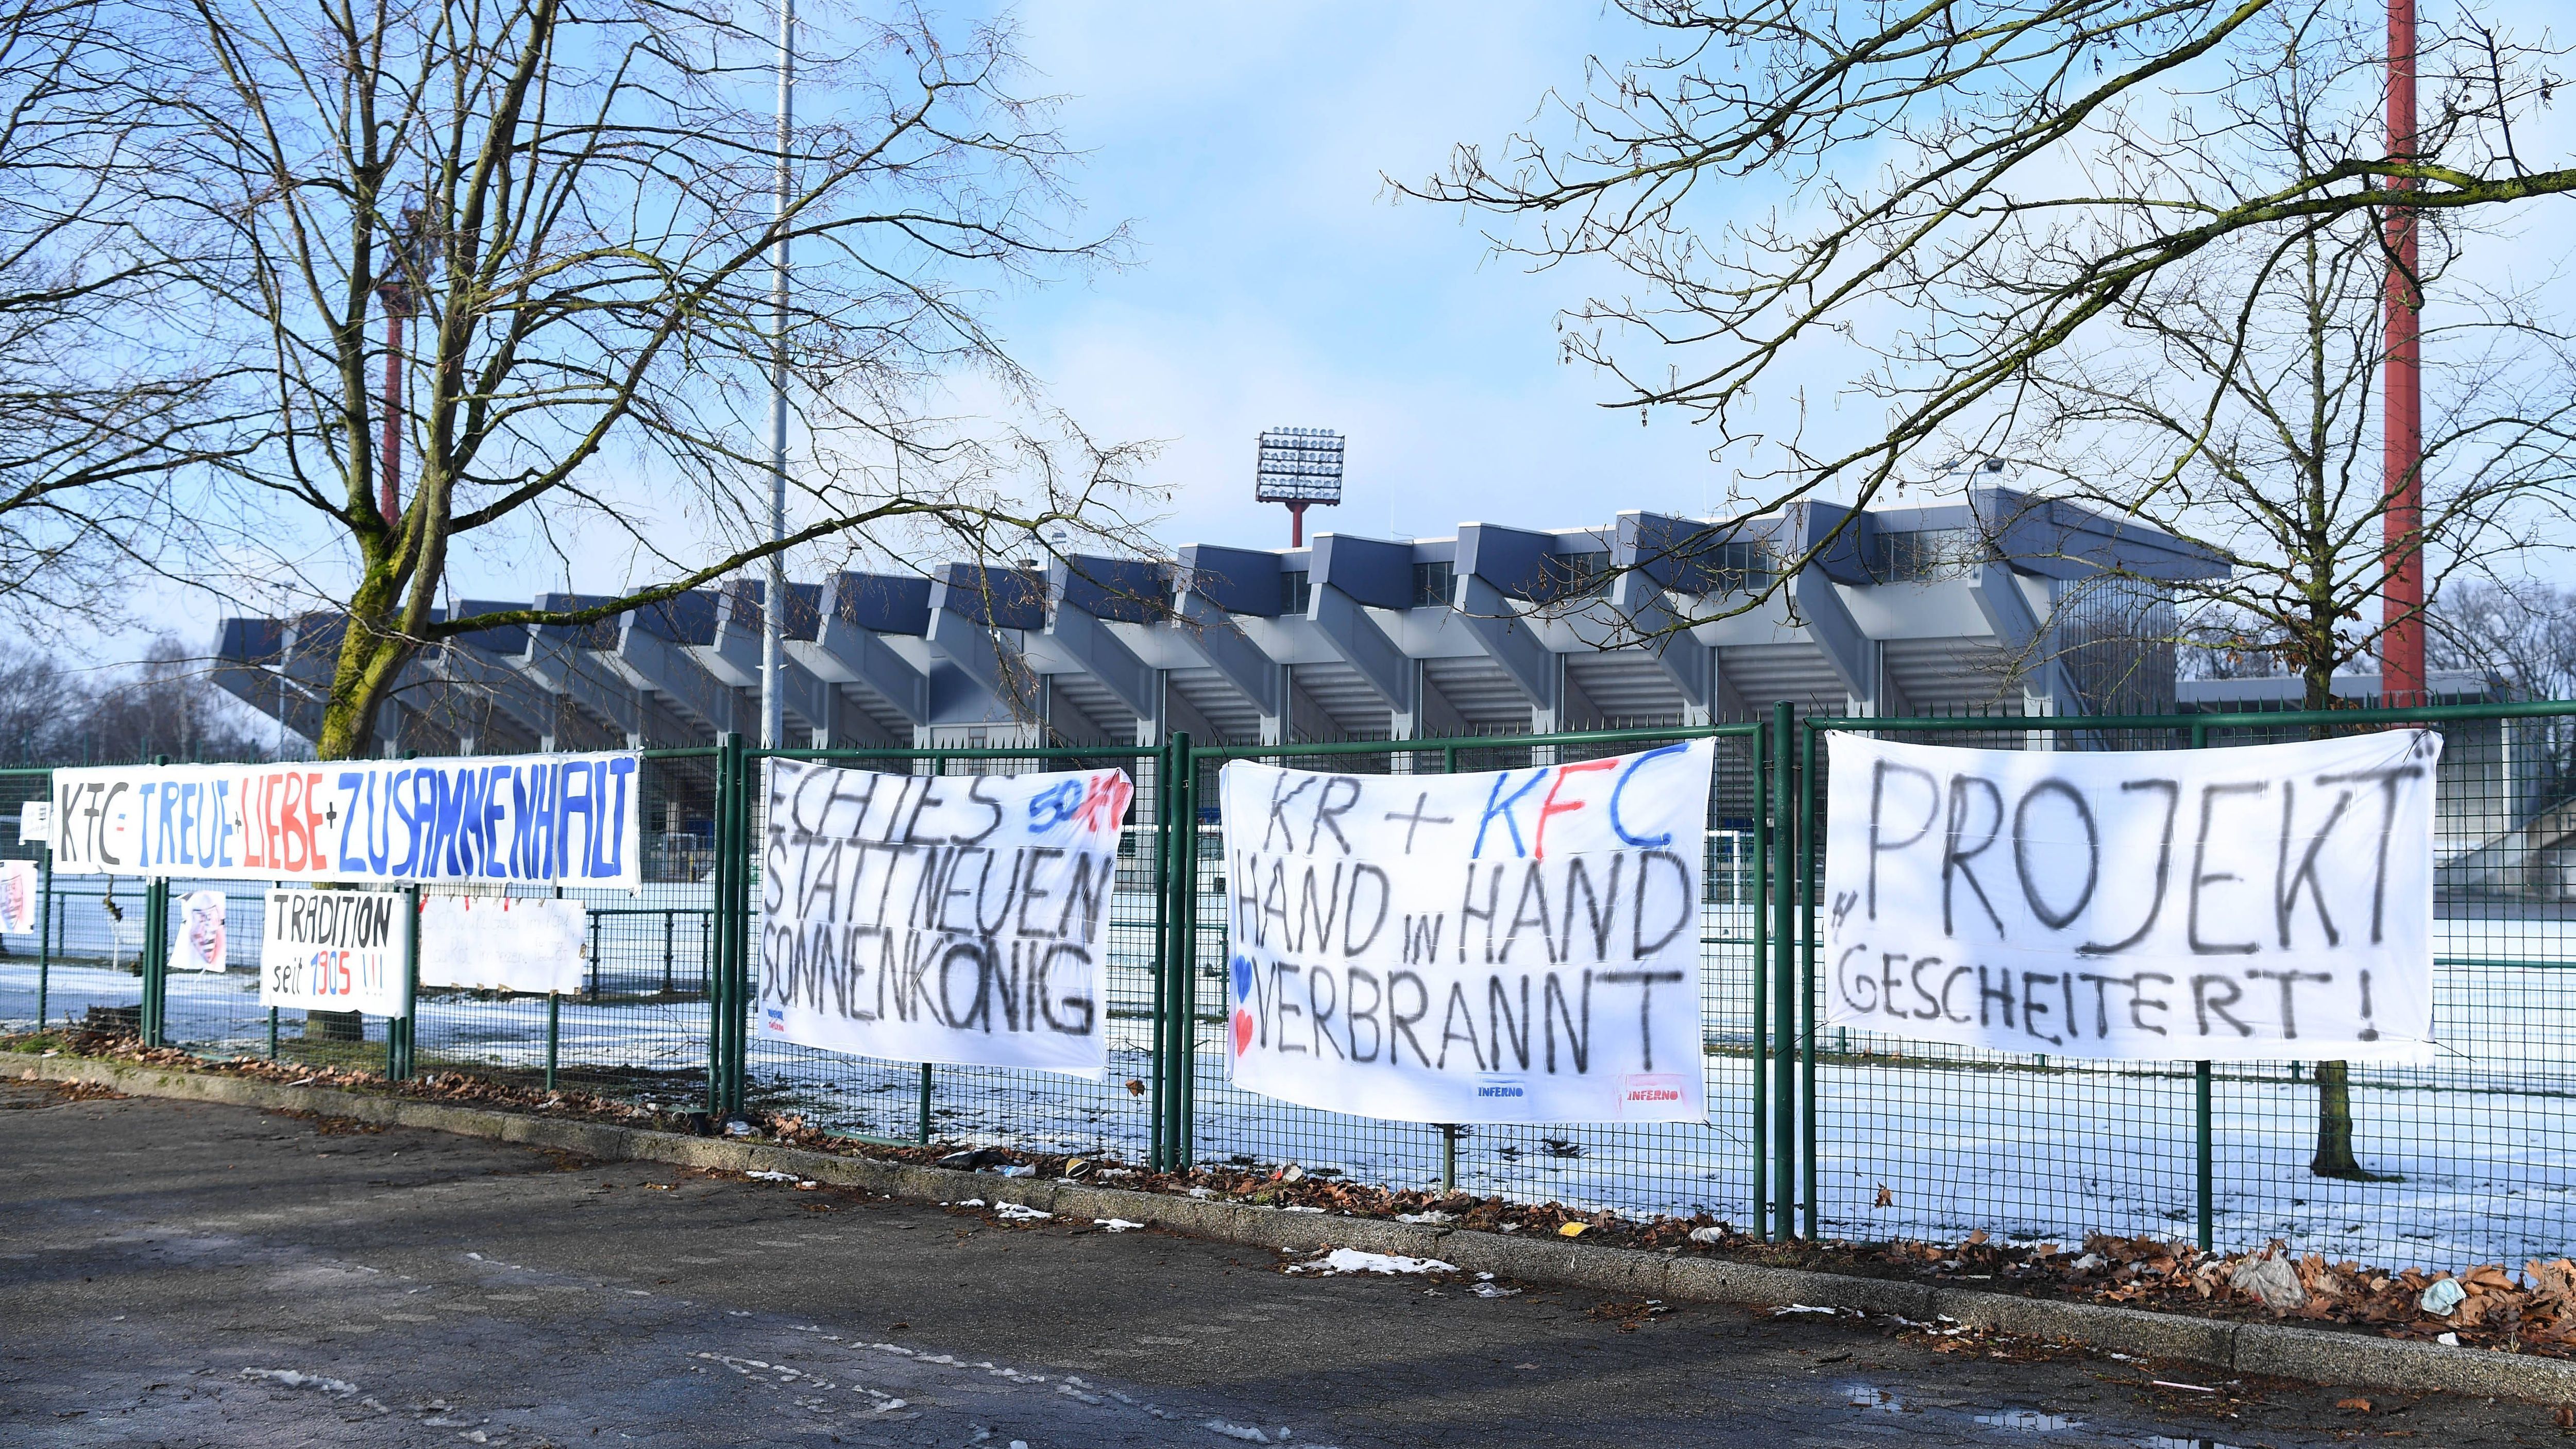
(1499, 804)
(535, 819)
(1635, 763)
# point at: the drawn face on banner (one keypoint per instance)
(2265, 902)
(1515, 946)
(17, 896)
(201, 931)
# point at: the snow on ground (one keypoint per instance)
(1935, 1145)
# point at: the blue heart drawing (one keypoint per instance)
(1243, 978)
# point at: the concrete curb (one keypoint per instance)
(2272, 1350)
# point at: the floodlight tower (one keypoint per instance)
(1300, 467)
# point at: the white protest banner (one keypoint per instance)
(198, 945)
(929, 918)
(35, 822)
(2267, 902)
(543, 819)
(18, 897)
(334, 951)
(504, 943)
(1520, 946)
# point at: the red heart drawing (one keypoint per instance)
(1242, 1030)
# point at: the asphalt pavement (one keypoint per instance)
(186, 1274)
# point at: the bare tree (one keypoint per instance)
(582, 206)
(2232, 399)
(1914, 185)
(162, 704)
(99, 408)
(2521, 634)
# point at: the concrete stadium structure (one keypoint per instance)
(1999, 602)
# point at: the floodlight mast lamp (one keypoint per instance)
(1300, 467)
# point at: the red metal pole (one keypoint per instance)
(395, 307)
(2401, 647)
(1296, 525)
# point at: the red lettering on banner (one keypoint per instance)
(254, 844)
(318, 837)
(1104, 806)
(1548, 806)
(298, 841)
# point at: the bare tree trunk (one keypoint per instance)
(2334, 1155)
(2334, 1126)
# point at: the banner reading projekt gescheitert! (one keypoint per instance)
(2266, 902)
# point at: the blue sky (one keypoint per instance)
(1280, 282)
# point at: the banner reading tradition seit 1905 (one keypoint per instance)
(1515, 946)
(568, 820)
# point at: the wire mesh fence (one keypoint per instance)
(1715, 1167)
(2459, 1157)
(1836, 1132)
(977, 1105)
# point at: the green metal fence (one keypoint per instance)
(2462, 1159)
(1828, 1133)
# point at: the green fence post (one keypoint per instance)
(1161, 975)
(711, 966)
(554, 1036)
(1784, 943)
(925, 1104)
(1179, 949)
(272, 1033)
(1759, 1037)
(156, 954)
(1184, 1137)
(44, 927)
(1808, 836)
(738, 909)
(2203, 1157)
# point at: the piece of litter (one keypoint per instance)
(2271, 1281)
(1573, 1230)
(1011, 1212)
(2441, 1296)
(1801, 1308)
(1018, 1169)
(292, 1379)
(2027, 1421)
(1714, 1237)
(1352, 1260)
(1488, 1290)
(1244, 1432)
(765, 1175)
(2186, 1388)
(965, 1202)
(1433, 1216)
(2449, 1340)
(1115, 1225)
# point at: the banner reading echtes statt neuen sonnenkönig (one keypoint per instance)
(567, 820)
